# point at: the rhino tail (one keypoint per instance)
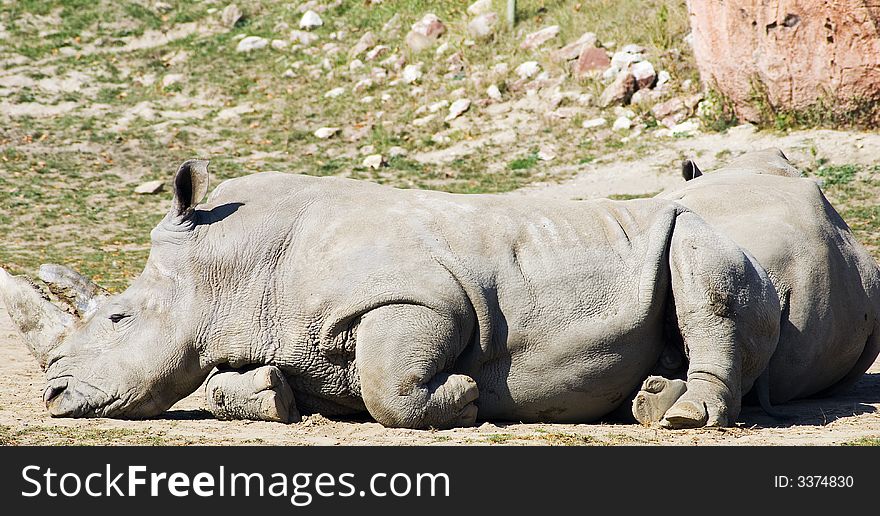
(762, 386)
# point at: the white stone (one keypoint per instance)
(374, 161)
(326, 132)
(493, 92)
(644, 73)
(310, 20)
(594, 123)
(172, 78)
(355, 65)
(150, 187)
(335, 92)
(437, 106)
(230, 15)
(279, 44)
(457, 108)
(442, 48)
(622, 123)
(412, 73)
(397, 152)
(302, 37)
(546, 154)
(251, 43)
(528, 69)
(479, 7)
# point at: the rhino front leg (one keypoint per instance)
(404, 353)
(259, 394)
(728, 314)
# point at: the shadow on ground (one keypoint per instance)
(820, 411)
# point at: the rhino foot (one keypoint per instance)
(655, 398)
(260, 394)
(704, 404)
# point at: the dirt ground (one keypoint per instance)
(849, 418)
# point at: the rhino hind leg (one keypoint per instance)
(728, 316)
(259, 394)
(403, 354)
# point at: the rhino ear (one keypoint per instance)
(690, 170)
(41, 323)
(190, 186)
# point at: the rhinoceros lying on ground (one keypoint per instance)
(828, 284)
(424, 309)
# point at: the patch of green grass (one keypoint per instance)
(524, 163)
(500, 438)
(864, 441)
(837, 174)
(66, 436)
(628, 197)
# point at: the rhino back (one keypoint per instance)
(562, 294)
(827, 281)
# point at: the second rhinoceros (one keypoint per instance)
(424, 309)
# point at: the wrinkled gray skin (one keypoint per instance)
(828, 284)
(424, 309)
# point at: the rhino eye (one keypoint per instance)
(118, 317)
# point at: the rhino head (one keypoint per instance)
(130, 355)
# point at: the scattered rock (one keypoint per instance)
(171, 79)
(365, 43)
(425, 120)
(425, 33)
(594, 123)
(150, 187)
(480, 7)
(374, 161)
(251, 43)
(644, 73)
(376, 52)
(230, 15)
(397, 152)
(573, 50)
(310, 20)
(335, 92)
(412, 73)
(483, 26)
(437, 106)
(590, 61)
(355, 65)
(538, 38)
(546, 153)
(302, 37)
(289, 73)
(622, 123)
(442, 48)
(279, 44)
(457, 108)
(663, 78)
(494, 93)
(620, 91)
(326, 132)
(163, 7)
(528, 69)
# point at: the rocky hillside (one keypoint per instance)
(100, 99)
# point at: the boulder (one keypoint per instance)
(425, 33)
(538, 38)
(620, 91)
(590, 61)
(792, 53)
(483, 26)
(574, 49)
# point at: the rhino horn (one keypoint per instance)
(71, 287)
(41, 323)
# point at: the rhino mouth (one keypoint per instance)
(65, 396)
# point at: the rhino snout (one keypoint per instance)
(67, 397)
